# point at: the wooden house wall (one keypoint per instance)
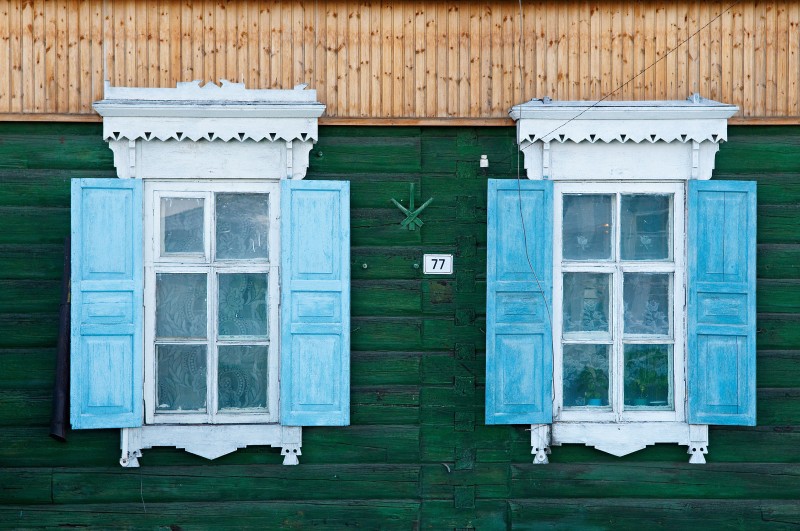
(424, 62)
(417, 455)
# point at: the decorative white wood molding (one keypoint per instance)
(654, 140)
(210, 441)
(698, 443)
(540, 443)
(210, 131)
(625, 438)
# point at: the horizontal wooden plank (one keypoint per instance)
(385, 298)
(347, 153)
(385, 368)
(385, 263)
(449, 514)
(771, 150)
(31, 446)
(232, 483)
(778, 261)
(490, 481)
(778, 224)
(687, 513)
(53, 151)
(22, 225)
(778, 296)
(324, 515)
(372, 189)
(778, 481)
(28, 330)
(25, 407)
(778, 407)
(381, 227)
(27, 368)
(384, 405)
(25, 485)
(777, 331)
(32, 261)
(778, 368)
(29, 296)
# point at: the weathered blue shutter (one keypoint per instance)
(106, 292)
(519, 347)
(722, 302)
(315, 303)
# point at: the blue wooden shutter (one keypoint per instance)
(315, 303)
(519, 345)
(722, 302)
(106, 292)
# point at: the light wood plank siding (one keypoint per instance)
(405, 61)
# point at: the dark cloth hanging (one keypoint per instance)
(59, 418)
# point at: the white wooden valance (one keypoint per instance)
(210, 131)
(673, 140)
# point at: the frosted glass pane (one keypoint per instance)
(181, 377)
(181, 305)
(648, 376)
(242, 376)
(243, 304)
(587, 228)
(181, 225)
(242, 226)
(645, 227)
(586, 380)
(586, 302)
(646, 301)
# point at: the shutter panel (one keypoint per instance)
(106, 291)
(315, 303)
(722, 302)
(519, 345)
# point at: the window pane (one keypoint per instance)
(586, 302)
(242, 226)
(182, 225)
(181, 305)
(646, 300)
(243, 304)
(645, 227)
(648, 382)
(586, 380)
(242, 376)
(181, 377)
(587, 227)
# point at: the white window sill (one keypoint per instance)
(211, 441)
(618, 438)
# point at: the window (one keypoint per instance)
(618, 292)
(620, 280)
(211, 323)
(210, 283)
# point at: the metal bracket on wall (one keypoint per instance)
(412, 220)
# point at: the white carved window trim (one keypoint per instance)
(209, 138)
(627, 146)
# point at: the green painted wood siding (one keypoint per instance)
(418, 454)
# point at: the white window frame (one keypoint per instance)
(154, 263)
(591, 417)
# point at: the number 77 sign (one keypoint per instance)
(437, 264)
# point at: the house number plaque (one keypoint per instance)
(437, 264)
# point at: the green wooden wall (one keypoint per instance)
(417, 455)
